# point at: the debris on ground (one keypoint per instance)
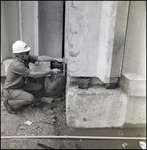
(47, 100)
(44, 146)
(28, 122)
(124, 145)
(142, 144)
(120, 132)
(50, 120)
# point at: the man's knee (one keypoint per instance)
(30, 99)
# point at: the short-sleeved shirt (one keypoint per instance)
(17, 72)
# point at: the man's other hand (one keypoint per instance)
(55, 71)
(59, 60)
(37, 63)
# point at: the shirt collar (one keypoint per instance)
(20, 60)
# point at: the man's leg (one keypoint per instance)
(35, 89)
(18, 98)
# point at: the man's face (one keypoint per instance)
(25, 55)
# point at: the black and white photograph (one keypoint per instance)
(73, 74)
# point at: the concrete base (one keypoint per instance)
(133, 84)
(99, 107)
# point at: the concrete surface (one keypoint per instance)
(11, 26)
(133, 84)
(4, 39)
(99, 107)
(28, 24)
(50, 28)
(119, 38)
(38, 24)
(100, 27)
(135, 47)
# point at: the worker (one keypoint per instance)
(17, 91)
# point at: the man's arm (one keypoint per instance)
(48, 58)
(42, 74)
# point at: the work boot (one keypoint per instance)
(9, 108)
(38, 101)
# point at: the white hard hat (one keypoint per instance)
(20, 47)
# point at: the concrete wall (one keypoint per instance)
(12, 24)
(4, 39)
(27, 23)
(17, 24)
(36, 23)
(50, 28)
(135, 48)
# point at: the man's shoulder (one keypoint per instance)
(16, 62)
(18, 67)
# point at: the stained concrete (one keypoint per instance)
(99, 107)
(100, 27)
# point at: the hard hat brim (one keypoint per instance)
(25, 50)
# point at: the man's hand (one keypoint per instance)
(37, 63)
(55, 71)
(59, 59)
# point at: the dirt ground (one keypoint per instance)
(50, 119)
(47, 119)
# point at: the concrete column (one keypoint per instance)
(94, 38)
(135, 49)
(81, 37)
(133, 80)
(106, 39)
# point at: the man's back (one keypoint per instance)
(15, 75)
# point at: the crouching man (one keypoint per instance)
(17, 91)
